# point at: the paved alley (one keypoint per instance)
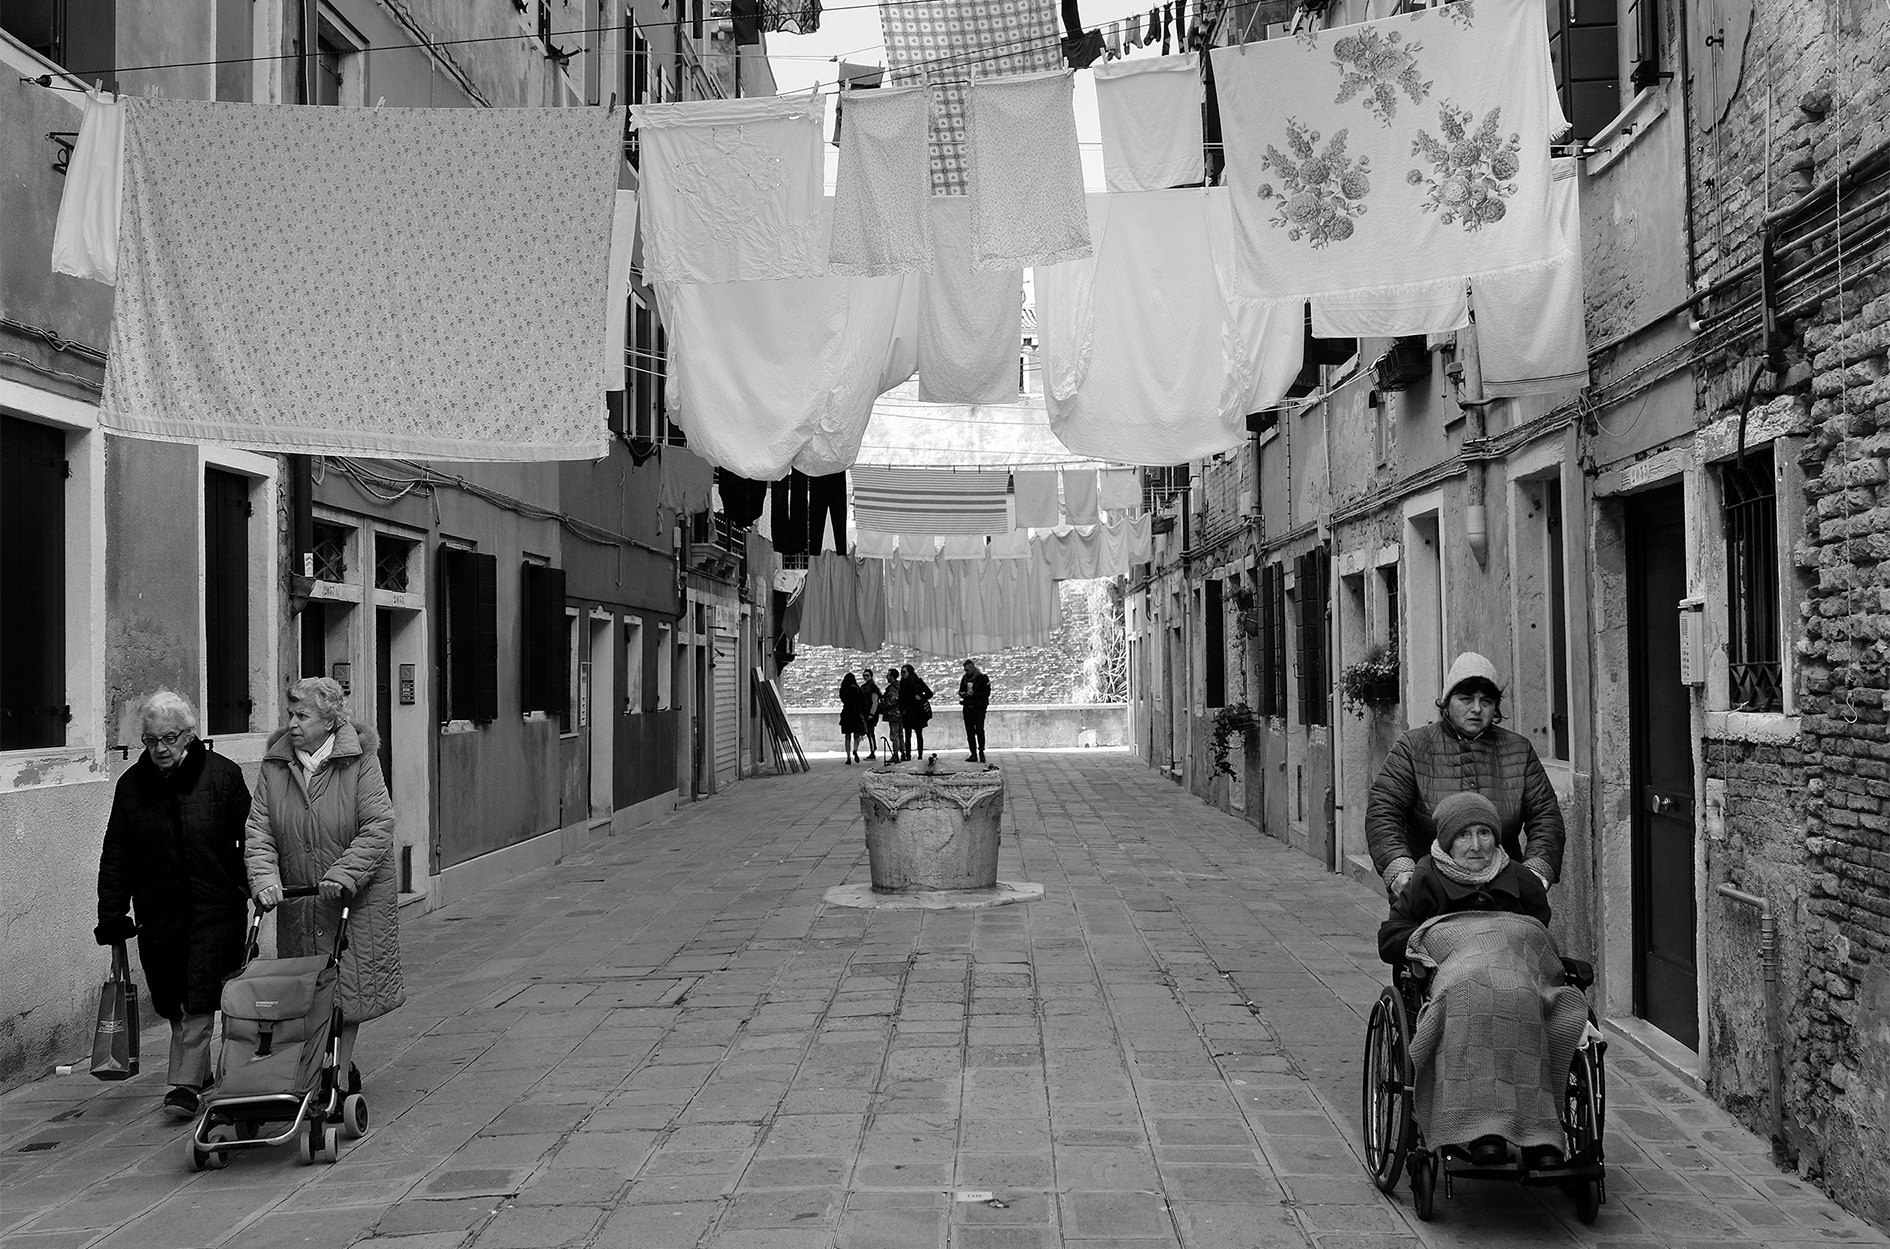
(671, 1041)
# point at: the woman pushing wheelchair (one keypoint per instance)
(1481, 1060)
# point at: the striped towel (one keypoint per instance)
(930, 500)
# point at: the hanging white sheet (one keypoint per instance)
(1026, 172)
(1150, 112)
(1531, 339)
(881, 222)
(843, 603)
(85, 237)
(731, 189)
(1035, 496)
(970, 321)
(1150, 356)
(623, 238)
(349, 281)
(1079, 496)
(1392, 154)
(1120, 490)
(1390, 314)
(770, 376)
(959, 607)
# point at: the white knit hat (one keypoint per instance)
(1468, 666)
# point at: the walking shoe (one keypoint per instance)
(971, 758)
(1489, 1151)
(181, 1103)
(1542, 1157)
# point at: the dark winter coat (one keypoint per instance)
(1430, 763)
(174, 856)
(915, 702)
(1431, 893)
(974, 693)
(337, 824)
(852, 709)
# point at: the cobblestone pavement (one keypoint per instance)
(671, 1041)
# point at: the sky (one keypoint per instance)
(849, 30)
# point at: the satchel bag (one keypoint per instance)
(115, 1040)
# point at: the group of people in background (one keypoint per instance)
(904, 705)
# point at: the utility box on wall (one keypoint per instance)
(1692, 641)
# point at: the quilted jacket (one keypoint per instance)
(336, 824)
(1435, 760)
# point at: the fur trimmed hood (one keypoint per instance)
(350, 739)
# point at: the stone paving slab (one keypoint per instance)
(674, 1041)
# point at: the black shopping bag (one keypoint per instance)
(115, 1042)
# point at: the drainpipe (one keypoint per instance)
(1768, 965)
(1468, 375)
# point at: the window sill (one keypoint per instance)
(1769, 727)
(44, 769)
(1612, 142)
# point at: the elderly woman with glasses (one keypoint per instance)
(322, 818)
(173, 856)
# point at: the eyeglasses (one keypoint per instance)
(168, 741)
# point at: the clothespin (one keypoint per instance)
(613, 103)
(379, 102)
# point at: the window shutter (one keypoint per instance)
(485, 635)
(32, 585)
(455, 638)
(557, 670)
(226, 600)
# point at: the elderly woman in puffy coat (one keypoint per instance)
(322, 817)
(1466, 750)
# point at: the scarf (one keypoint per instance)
(1449, 869)
(313, 759)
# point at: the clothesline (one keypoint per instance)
(114, 71)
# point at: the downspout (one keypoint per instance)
(1476, 516)
(1768, 966)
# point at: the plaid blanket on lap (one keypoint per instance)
(1493, 1043)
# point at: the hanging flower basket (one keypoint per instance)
(1371, 684)
(1228, 721)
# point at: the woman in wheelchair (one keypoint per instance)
(1489, 1061)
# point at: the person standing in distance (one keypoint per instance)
(974, 697)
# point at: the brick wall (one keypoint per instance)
(1808, 824)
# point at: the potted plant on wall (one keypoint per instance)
(1228, 721)
(1371, 684)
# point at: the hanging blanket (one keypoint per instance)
(1150, 113)
(351, 281)
(1403, 153)
(731, 189)
(953, 39)
(883, 189)
(1149, 355)
(769, 376)
(931, 500)
(1493, 1043)
(1026, 173)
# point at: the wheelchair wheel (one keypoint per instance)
(1424, 1167)
(1581, 1124)
(1387, 1090)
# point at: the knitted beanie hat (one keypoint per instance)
(1455, 814)
(1465, 667)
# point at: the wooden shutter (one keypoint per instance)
(33, 585)
(455, 639)
(1278, 617)
(544, 641)
(226, 510)
(1214, 659)
(485, 635)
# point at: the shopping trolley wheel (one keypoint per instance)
(354, 1116)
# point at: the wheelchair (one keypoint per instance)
(1394, 1144)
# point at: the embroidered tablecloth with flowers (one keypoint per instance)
(1392, 155)
(351, 281)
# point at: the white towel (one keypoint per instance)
(623, 238)
(1150, 111)
(1531, 339)
(871, 544)
(880, 220)
(1026, 172)
(1036, 498)
(85, 237)
(1079, 496)
(970, 322)
(1388, 155)
(1120, 490)
(731, 189)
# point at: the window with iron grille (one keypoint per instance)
(1310, 575)
(331, 551)
(1752, 602)
(1273, 640)
(392, 561)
